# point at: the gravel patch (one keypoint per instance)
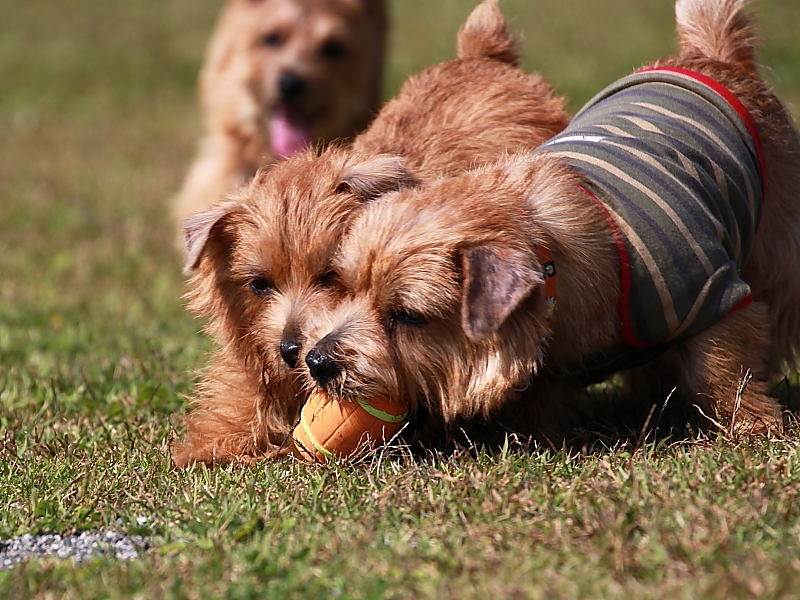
(88, 544)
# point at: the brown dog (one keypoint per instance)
(450, 291)
(262, 262)
(279, 75)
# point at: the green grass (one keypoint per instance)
(717, 520)
(98, 122)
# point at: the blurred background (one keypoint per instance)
(99, 121)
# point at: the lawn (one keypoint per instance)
(98, 122)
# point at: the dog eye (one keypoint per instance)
(261, 286)
(272, 40)
(333, 50)
(407, 317)
(328, 279)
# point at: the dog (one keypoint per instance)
(278, 76)
(261, 262)
(494, 297)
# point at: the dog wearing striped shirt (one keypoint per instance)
(658, 235)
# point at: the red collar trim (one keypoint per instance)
(626, 330)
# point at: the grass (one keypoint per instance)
(717, 520)
(98, 122)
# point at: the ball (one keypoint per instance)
(342, 429)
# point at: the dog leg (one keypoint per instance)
(233, 422)
(724, 367)
(213, 439)
(550, 411)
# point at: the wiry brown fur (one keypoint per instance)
(429, 255)
(445, 298)
(281, 231)
(475, 109)
(240, 84)
(773, 269)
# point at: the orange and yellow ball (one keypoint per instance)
(331, 429)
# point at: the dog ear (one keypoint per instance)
(496, 280)
(207, 228)
(376, 176)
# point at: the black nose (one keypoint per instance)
(322, 366)
(290, 349)
(291, 87)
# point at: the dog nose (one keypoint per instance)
(322, 366)
(291, 87)
(290, 350)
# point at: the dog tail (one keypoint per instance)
(718, 29)
(485, 34)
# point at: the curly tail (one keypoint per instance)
(718, 29)
(485, 34)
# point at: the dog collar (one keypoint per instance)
(549, 272)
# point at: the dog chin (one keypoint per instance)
(290, 131)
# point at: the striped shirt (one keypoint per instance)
(675, 160)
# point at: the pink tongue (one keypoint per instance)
(290, 132)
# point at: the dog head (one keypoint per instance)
(443, 298)
(262, 260)
(295, 70)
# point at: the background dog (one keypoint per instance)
(278, 76)
(262, 262)
(449, 303)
